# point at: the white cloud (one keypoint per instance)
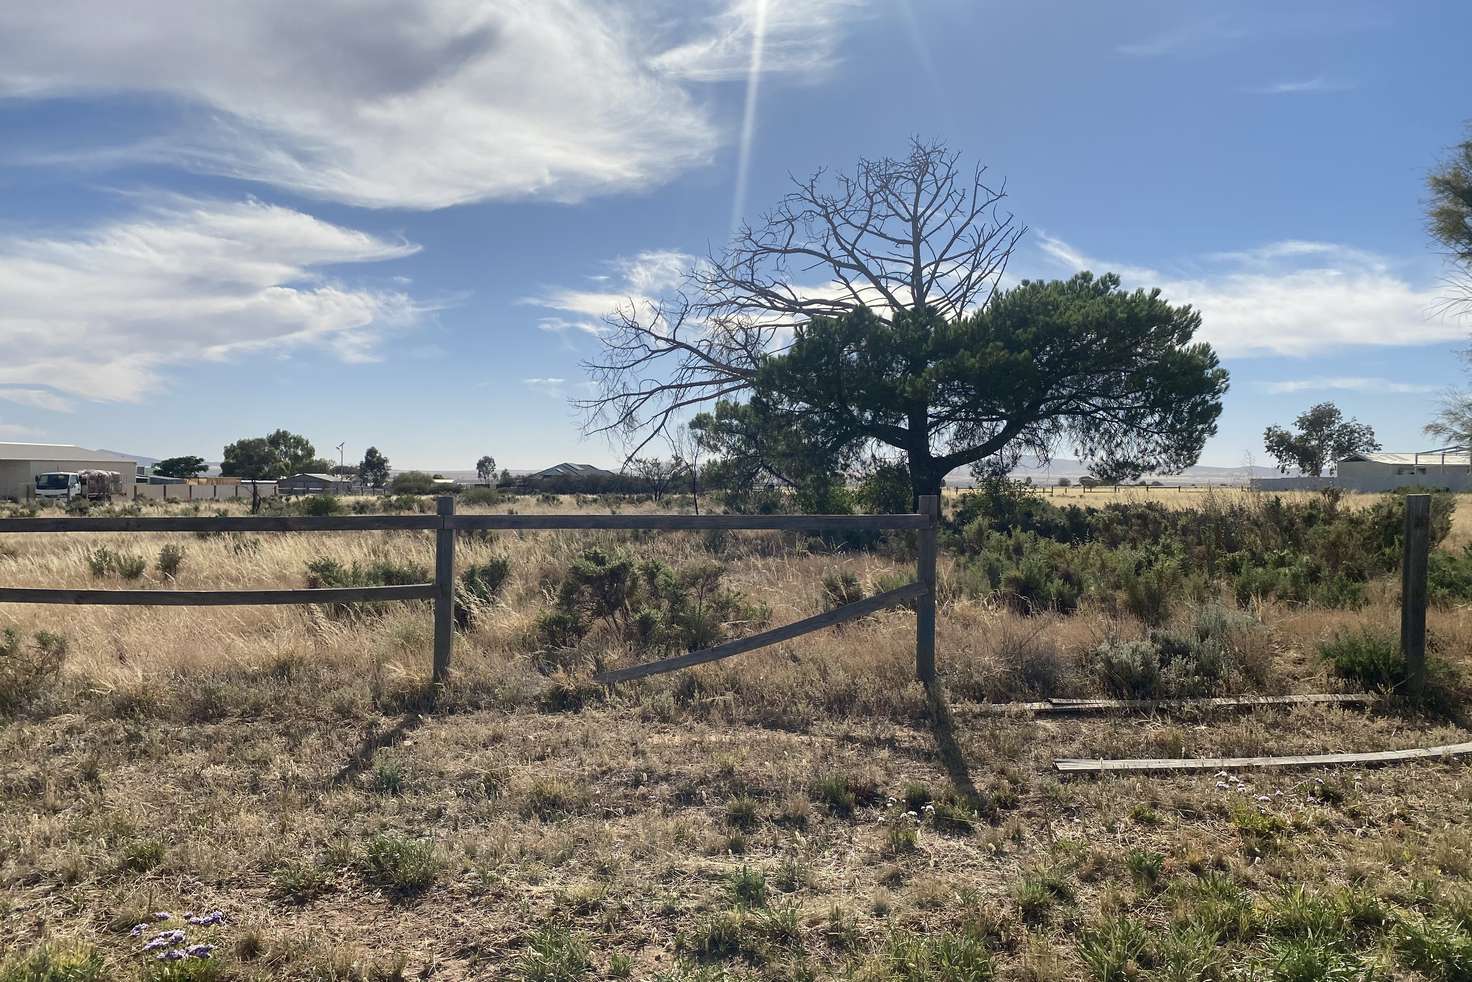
(1185, 39)
(36, 398)
(409, 103)
(554, 387)
(639, 278)
(14, 431)
(1291, 298)
(100, 314)
(1351, 383)
(1318, 83)
(798, 36)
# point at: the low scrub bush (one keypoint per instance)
(322, 505)
(1365, 658)
(646, 604)
(840, 588)
(481, 496)
(326, 572)
(399, 863)
(937, 956)
(170, 561)
(555, 953)
(478, 587)
(56, 963)
(28, 670)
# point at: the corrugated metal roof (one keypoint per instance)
(572, 470)
(330, 478)
(1422, 459)
(56, 451)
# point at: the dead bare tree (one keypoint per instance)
(896, 235)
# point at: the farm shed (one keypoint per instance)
(314, 484)
(21, 462)
(1449, 469)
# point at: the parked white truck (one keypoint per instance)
(68, 485)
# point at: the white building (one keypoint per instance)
(1449, 469)
(21, 462)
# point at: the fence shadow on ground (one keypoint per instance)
(952, 757)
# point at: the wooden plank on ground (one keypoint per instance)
(217, 598)
(1083, 706)
(880, 601)
(1229, 702)
(828, 523)
(1075, 765)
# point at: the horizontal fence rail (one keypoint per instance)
(445, 523)
(217, 598)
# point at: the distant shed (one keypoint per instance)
(21, 462)
(314, 484)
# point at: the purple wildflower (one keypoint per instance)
(199, 950)
(163, 939)
(138, 930)
(162, 915)
(204, 920)
(172, 955)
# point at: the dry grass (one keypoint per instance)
(290, 769)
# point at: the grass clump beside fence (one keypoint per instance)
(29, 669)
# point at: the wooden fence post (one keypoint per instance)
(444, 589)
(925, 605)
(1417, 547)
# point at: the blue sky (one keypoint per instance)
(393, 222)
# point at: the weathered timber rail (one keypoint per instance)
(445, 523)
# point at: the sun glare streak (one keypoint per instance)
(748, 121)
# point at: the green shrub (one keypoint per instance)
(55, 963)
(1128, 669)
(412, 482)
(299, 881)
(1113, 951)
(28, 671)
(481, 496)
(1313, 960)
(840, 588)
(130, 566)
(101, 561)
(1449, 576)
(1440, 948)
(943, 956)
(396, 862)
(479, 585)
(1371, 661)
(142, 856)
(1149, 593)
(748, 887)
(555, 954)
(170, 560)
(322, 505)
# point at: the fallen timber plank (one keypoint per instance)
(1076, 765)
(217, 598)
(848, 612)
(1082, 706)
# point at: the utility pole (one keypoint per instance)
(341, 457)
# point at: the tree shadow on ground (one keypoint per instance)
(415, 713)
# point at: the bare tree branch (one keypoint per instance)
(896, 235)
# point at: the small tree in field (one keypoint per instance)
(485, 469)
(374, 468)
(865, 311)
(1323, 436)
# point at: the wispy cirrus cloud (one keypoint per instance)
(1292, 298)
(637, 279)
(798, 37)
(1185, 39)
(409, 103)
(1347, 383)
(36, 399)
(101, 313)
(1307, 86)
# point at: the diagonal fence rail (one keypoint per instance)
(445, 524)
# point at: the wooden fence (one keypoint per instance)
(445, 523)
